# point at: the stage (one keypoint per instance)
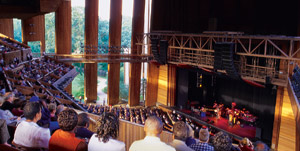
(222, 123)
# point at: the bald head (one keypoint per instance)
(153, 126)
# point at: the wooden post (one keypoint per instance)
(135, 68)
(115, 26)
(7, 27)
(63, 31)
(91, 40)
(33, 29)
(152, 84)
(171, 84)
(277, 118)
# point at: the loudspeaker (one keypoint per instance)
(163, 51)
(227, 61)
(258, 133)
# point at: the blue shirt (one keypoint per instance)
(82, 132)
(202, 147)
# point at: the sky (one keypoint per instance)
(104, 6)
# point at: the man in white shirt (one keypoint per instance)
(28, 133)
(153, 127)
(180, 134)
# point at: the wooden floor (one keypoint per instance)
(287, 127)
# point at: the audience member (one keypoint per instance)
(246, 145)
(153, 128)
(4, 134)
(7, 115)
(190, 139)
(64, 138)
(19, 105)
(180, 134)
(82, 127)
(222, 142)
(260, 146)
(52, 109)
(28, 133)
(203, 144)
(8, 101)
(106, 135)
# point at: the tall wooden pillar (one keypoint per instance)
(152, 84)
(171, 84)
(33, 29)
(63, 42)
(7, 27)
(115, 26)
(91, 40)
(135, 68)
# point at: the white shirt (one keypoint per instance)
(180, 145)
(110, 145)
(29, 134)
(150, 143)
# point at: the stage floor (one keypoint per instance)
(222, 123)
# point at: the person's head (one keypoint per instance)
(67, 120)
(83, 120)
(32, 111)
(180, 131)
(9, 97)
(260, 146)
(19, 103)
(245, 142)
(107, 126)
(52, 107)
(59, 109)
(222, 142)
(153, 126)
(204, 135)
(1, 100)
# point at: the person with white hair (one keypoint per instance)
(203, 144)
(180, 134)
(153, 128)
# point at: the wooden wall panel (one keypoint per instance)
(7, 27)
(162, 94)
(152, 84)
(135, 68)
(171, 85)
(33, 29)
(115, 26)
(277, 117)
(91, 39)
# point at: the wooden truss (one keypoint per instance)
(258, 56)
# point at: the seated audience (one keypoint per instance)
(19, 105)
(7, 115)
(222, 142)
(107, 133)
(180, 134)
(4, 134)
(28, 133)
(8, 101)
(64, 138)
(246, 145)
(203, 144)
(45, 119)
(82, 127)
(190, 139)
(153, 128)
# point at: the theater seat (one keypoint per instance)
(23, 148)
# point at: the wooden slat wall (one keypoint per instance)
(152, 85)
(9, 56)
(130, 132)
(162, 93)
(7, 27)
(287, 133)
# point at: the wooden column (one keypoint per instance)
(7, 27)
(277, 118)
(91, 39)
(171, 84)
(152, 84)
(135, 68)
(63, 41)
(115, 26)
(33, 29)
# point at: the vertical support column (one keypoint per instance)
(33, 29)
(63, 31)
(152, 85)
(171, 85)
(115, 26)
(7, 27)
(135, 68)
(91, 39)
(277, 118)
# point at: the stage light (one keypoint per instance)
(200, 85)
